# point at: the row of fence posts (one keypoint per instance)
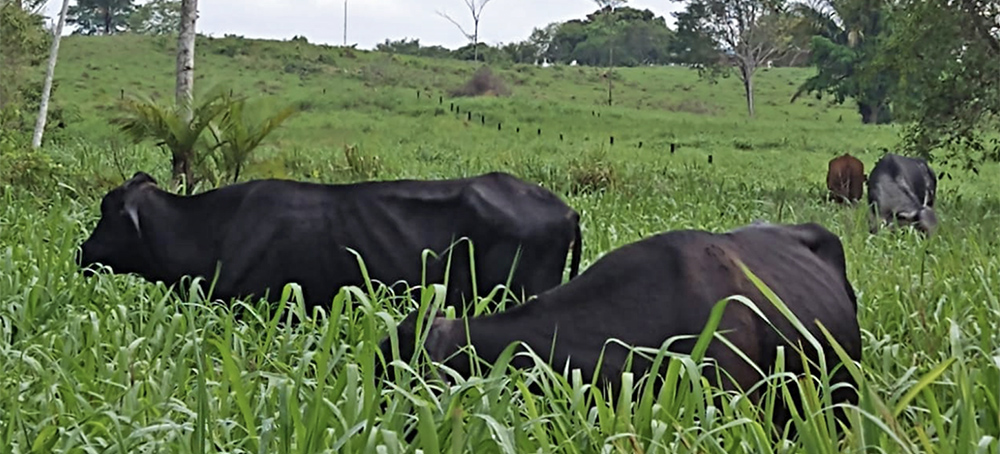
(457, 110)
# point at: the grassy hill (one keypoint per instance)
(370, 99)
(118, 363)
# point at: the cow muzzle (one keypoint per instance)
(85, 263)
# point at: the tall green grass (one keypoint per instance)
(115, 364)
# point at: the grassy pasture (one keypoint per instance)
(115, 364)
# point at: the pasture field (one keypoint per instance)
(115, 364)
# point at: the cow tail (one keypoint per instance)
(574, 264)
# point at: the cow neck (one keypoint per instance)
(180, 232)
(533, 323)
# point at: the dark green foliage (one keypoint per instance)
(412, 47)
(637, 36)
(100, 17)
(24, 44)
(156, 17)
(693, 43)
(949, 78)
(846, 42)
(24, 47)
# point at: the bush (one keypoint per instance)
(361, 166)
(30, 169)
(483, 83)
(593, 173)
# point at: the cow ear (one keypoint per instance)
(140, 178)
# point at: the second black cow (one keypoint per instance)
(267, 233)
(644, 293)
(902, 190)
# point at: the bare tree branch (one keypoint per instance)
(467, 35)
(751, 33)
(476, 9)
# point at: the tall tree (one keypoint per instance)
(43, 109)
(751, 32)
(100, 17)
(476, 9)
(846, 40)
(607, 7)
(623, 37)
(947, 53)
(693, 43)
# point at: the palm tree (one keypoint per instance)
(237, 135)
(146, 119)
(228, 120)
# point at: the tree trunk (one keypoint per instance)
(475, 39)
(181, 168)
(185, 81)
(874, 114)
(611, 67)
(43, 109)
(185, 56)
(748, 88)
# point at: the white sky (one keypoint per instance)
(373, 21)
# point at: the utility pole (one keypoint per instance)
(345, 23)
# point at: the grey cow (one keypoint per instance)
(902, 189)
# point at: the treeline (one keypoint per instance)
(106, 17)
(622, 36)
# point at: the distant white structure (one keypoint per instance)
(572, 63)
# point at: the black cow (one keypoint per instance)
(902, 189)
(664, 286)
(267, 233)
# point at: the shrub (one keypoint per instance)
(483, 83)
(360, 165)
(593, 173)
(27, 168)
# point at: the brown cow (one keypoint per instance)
(845, 179)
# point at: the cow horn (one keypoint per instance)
(134, 215)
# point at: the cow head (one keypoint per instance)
(437, 342)
(923, 218)
(117, 239)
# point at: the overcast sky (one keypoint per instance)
(370, 22)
